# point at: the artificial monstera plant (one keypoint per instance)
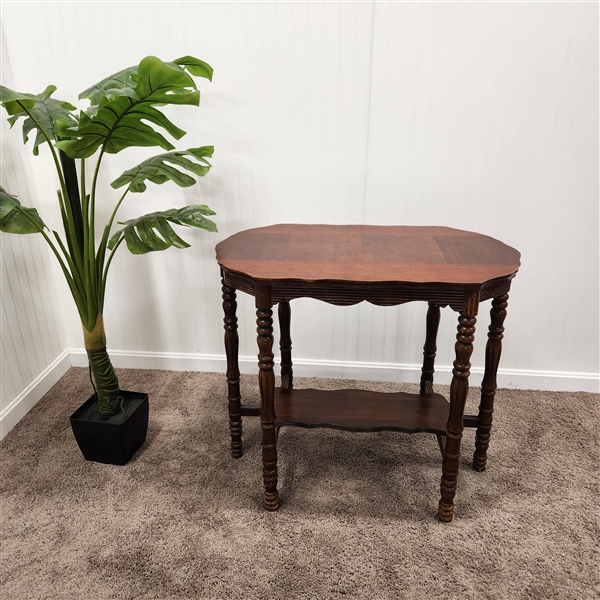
(124, 111)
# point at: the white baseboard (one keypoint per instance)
(507, 378)
(34, 392)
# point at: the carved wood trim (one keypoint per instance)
(285, 344)
(458, 297)
(493, 350)
(266, 383)
(430, 349)
(233, 370)
(459, 389)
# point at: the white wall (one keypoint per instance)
(32, 338)
(481, 116)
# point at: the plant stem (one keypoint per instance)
(92, 208)
(107, 384)
(70, 174)
(114, 212)
(82, 193)
(71, 244)
(70, 281)
(104, 275)
(70, 230)
(102, 252)
(91, 242)
(74, 273)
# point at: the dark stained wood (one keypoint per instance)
(347, 264)
(254, 411)
(459, 389)
(468, 420)
(429, 350)
(233, 370)
(367, 253)
(493, 350)
(266, 383)
(285, 344)
(442, 444)
(348, 293)
(360, 410)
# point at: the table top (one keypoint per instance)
(367, 253)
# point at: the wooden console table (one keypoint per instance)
(344, 265)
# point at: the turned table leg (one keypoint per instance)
(233, 371)
(285, 344)
(429, 349)
(454, 428)
(493, 350)
(266, 383)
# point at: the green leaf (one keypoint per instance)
(41, 113)
(13, 216)
(120, 83)
(161, 168)
(15, 102)
(121, 121)
(195, 66)
(123, 82)
(160, 82)
(152, 232)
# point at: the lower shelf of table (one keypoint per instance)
(361, 410)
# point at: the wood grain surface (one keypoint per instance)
(367, 253)
(361, 410)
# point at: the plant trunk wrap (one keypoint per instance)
(105, 378)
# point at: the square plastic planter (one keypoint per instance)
(115, 439)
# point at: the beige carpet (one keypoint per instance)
(184, 520)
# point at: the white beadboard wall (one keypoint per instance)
(33, 349)
(480, 116)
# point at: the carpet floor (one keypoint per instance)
(358, 510)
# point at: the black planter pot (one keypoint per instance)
(111, 440)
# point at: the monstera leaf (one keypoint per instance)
(197, 67)
(152, 232)
(14, 217)
(162, 167)
(121, 121)
(42, 113)
(123, 82)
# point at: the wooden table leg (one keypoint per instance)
(459, 389)
(493, 350)
(429, 349)
(266, 382)
(233, 371)
(285, 344)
